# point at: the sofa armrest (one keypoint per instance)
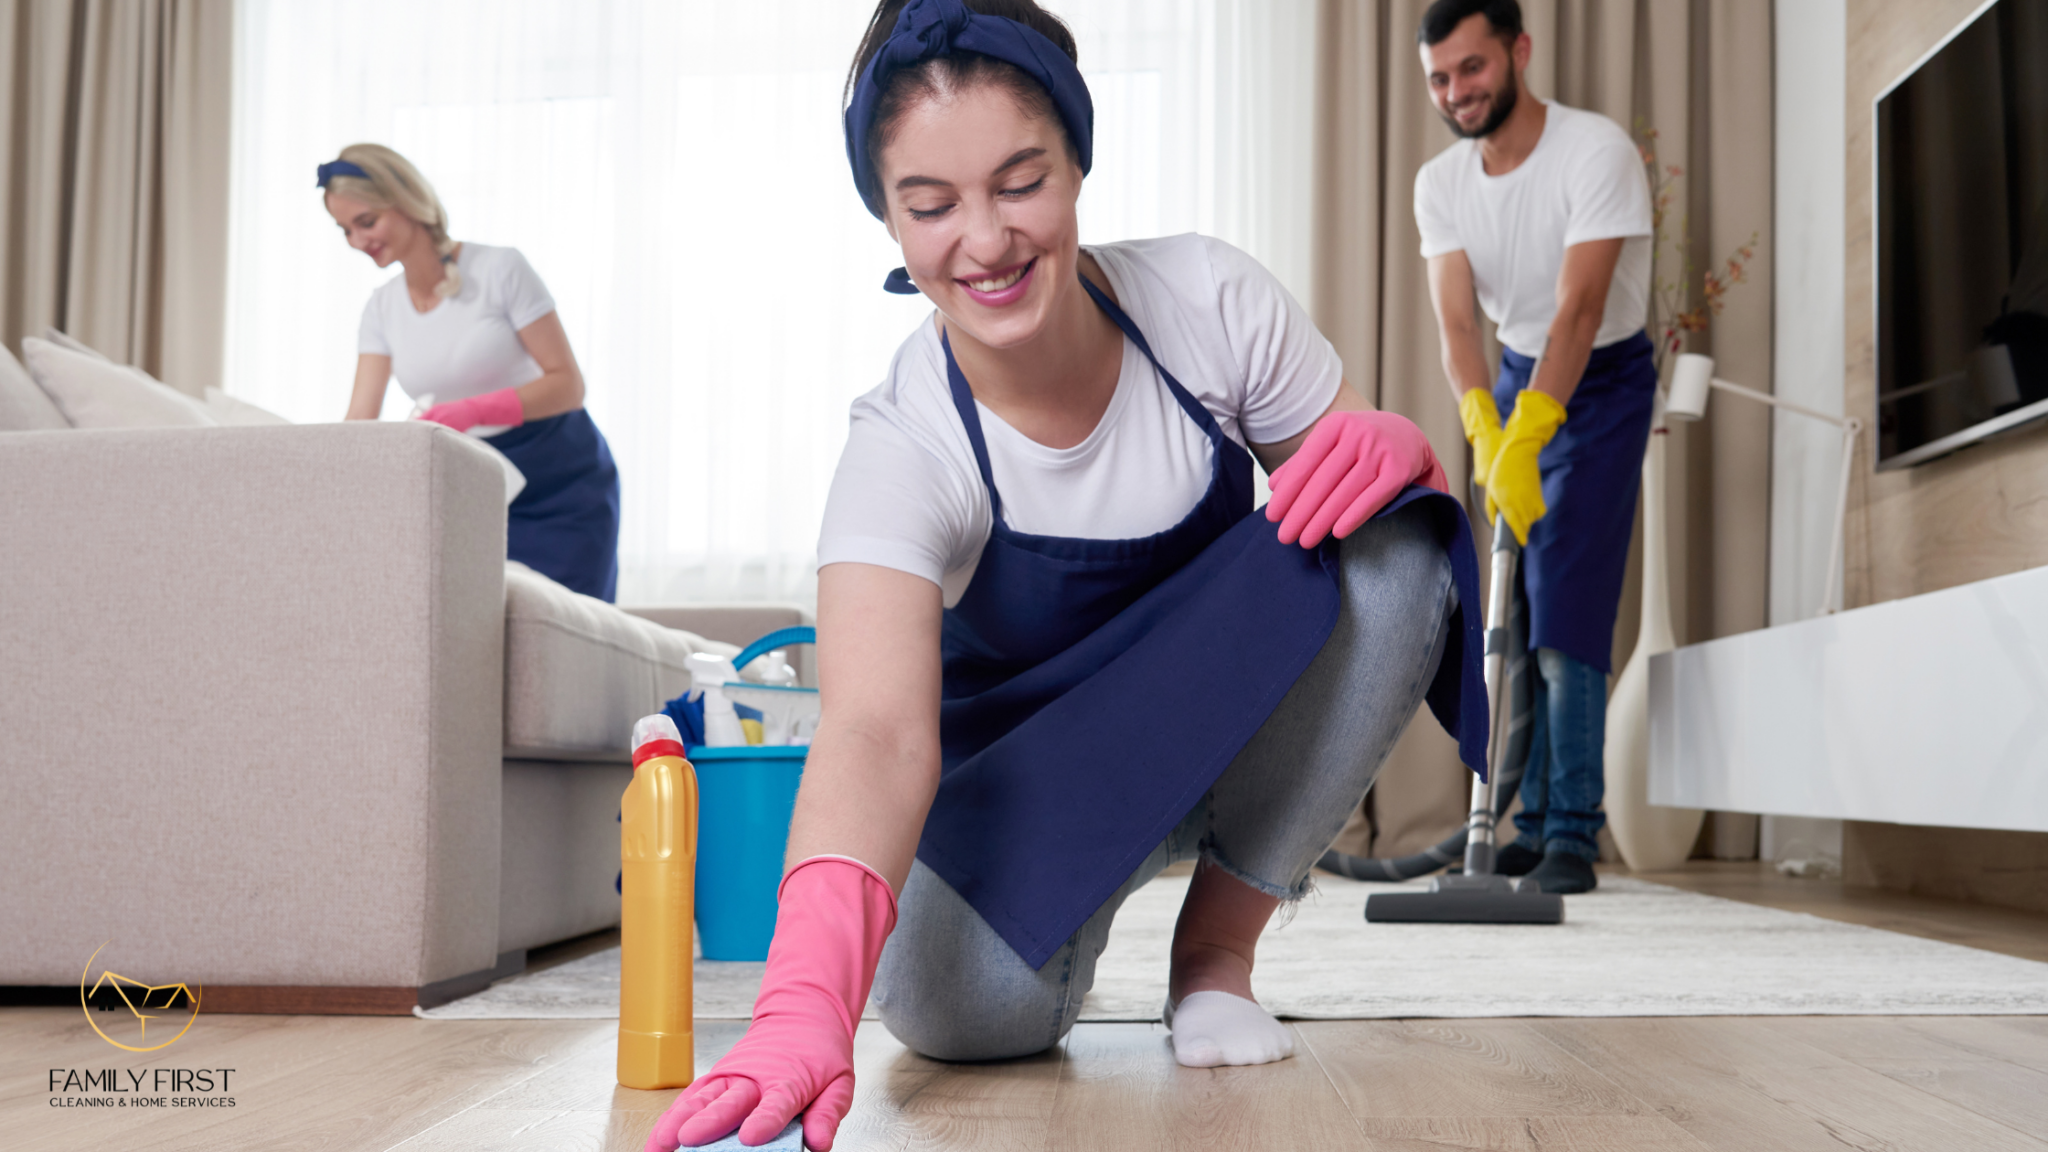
(250, 703)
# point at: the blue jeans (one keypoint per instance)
(1565, 777)
(949, 987)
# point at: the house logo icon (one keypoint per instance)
(136, 1011)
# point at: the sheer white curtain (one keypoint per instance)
(675, 172)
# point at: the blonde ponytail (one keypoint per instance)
(392, 182)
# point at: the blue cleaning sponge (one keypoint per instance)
(791, 1140)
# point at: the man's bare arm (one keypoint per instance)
(1581, 303)
(1450, 293)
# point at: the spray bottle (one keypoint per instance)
(658, 875)
(710, 674)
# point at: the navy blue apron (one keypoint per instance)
(1578, 553)
(1094, 690)
(565, 522)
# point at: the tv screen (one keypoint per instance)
(1962, 238)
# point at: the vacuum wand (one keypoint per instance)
(1478, 896)
(1479, 827)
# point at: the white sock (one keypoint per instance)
(1213, 1029)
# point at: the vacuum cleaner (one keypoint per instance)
(1477, 895)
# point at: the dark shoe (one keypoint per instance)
(1564, 873)
(1516, 860)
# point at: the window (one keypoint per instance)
(676, 173)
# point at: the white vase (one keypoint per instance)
(1650, 837)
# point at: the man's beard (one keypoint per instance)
(1503, 107)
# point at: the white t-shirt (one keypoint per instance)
(466, 346)
(1583, 181)
(908, 495)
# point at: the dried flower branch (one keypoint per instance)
(1670, 319)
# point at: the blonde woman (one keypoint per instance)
(473, 328)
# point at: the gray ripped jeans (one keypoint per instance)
(951, 988)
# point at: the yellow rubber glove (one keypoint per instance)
(1516, 486)
(1482, 430)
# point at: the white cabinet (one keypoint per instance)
(1928, 710)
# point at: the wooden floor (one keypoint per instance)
(1744, 1084)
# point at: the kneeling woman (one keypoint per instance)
(1058, 650)
(474, 327)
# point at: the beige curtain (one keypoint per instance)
(1699, 72)
(114, 129)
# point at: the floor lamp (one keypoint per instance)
(1691, 383)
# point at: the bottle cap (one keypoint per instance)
(654, 736)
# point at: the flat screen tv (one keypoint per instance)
(1961, 233)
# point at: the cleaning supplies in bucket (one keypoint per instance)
(657, 886)
(748, 791)
(752, 698)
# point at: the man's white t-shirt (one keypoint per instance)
(1583, 181)
(466, 346)
(908, 494)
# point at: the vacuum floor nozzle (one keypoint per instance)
(1468, 900)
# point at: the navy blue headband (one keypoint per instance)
(927, 29)
(333, 168)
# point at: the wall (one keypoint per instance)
(1982, 512)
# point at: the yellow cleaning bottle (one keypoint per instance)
(657, 878)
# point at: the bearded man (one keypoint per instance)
(1543, 213)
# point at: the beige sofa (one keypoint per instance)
(276, 717)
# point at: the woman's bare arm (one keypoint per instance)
(373, 375)
(874, 766)
(1272, 456)
(559, 388)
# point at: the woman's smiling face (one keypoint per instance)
(981, 197)
(382, 234)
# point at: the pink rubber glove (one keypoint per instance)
(797, 1055)
(500, 407)
(1348, 469)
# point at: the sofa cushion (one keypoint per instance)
(64, 339)
(23, 406)
(579, 671)
(95, 393)
(235, 412)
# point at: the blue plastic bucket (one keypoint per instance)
(745, 796)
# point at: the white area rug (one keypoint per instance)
(1630, 949)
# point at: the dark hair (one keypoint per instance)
(946, 75)
(1445, 15)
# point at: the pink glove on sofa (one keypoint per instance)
(1350, 466)
(500, 407)
(797, 1055)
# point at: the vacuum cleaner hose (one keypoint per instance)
(1520, 726)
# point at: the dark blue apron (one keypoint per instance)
(565, 522)
(1578, 553)
(1095, 689)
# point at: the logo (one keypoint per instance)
(143, 1012)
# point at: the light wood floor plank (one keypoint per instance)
(1121, 1090)
(311, 1082)
(1530, 1134)
(538, 1130)
(2006, 930)
(905, 1101)
(1738, 1085)
(588, 1079)
(1966, 1061)
(1466, 1068)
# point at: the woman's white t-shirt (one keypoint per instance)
(466, 346)
(908, 494)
